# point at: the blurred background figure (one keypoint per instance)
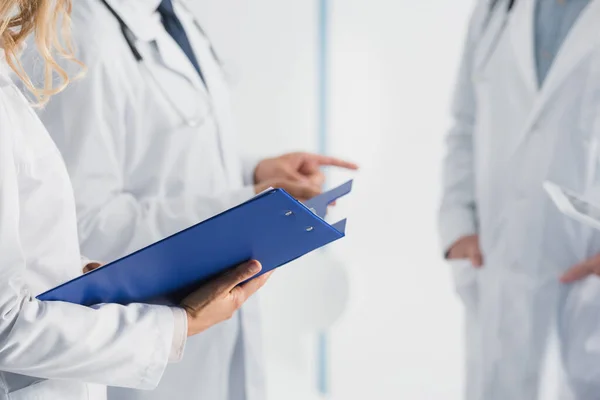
(525, 111)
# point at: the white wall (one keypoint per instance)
(393, 63)
(268, 47)
(393, 67)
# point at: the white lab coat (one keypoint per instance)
(508, 137)
(49, 350)
(141, 173)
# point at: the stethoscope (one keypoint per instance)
(191, 122)
(509, 6)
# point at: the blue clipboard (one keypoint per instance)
(272, 228)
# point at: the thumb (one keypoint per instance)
(576, 273)
(239, 274)
(245, 290)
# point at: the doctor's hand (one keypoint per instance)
(299, 190)
(91, 266)
(467, 247)
(298, 167)
(582, 270)
(220, 298)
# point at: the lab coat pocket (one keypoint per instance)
(465, 281)
(579, 327)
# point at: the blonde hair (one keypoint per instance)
(49, 21)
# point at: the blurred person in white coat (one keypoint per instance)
(57, 350)
(149, 142)
(526, 110)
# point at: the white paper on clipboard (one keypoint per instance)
(574, 205)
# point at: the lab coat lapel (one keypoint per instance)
(581, 40)
(173, 58)
(521, 31)
(144, 28)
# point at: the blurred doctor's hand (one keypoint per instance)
(299, 190)
(467, 247)
(298, 167)
(582, 270)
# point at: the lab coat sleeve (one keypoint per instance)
(249, 165)
(111, 344)
(457, 216)
(93, 140)
(179, 334)
(85, 261)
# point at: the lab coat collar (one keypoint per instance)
(581, 40)
(138, 15)
(172, 57)
(141, 21)
(175, 59)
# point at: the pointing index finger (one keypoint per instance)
(335, 162)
